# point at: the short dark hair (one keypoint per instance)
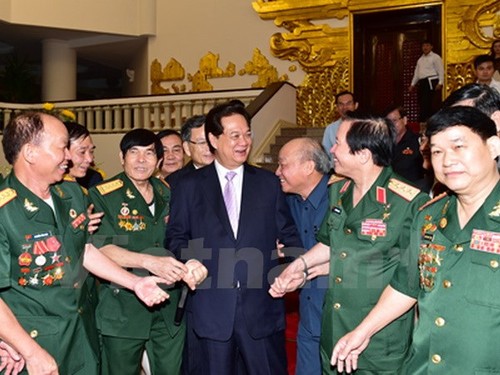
(484, 98)
(142, 138)
(24, 128)
(191, 123)
(76, 131)
(492, 48)
(470, 117)
(376, 134)
(167, 133)
(482, 59)
(342, 93)
(395, 107)
(213, 123)
(426, 41)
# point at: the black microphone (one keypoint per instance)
(179, 313)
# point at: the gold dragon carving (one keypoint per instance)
(324, 52)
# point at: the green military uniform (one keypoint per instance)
(366, 244)
(41, 274)
(124, 322)
(458, 330)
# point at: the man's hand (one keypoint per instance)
(94, 219)
(196, 274)
(10, 360)
(292, 278)
(148, 291)
(166, 267)
(39, 362)
(319, 270)
(347, 350)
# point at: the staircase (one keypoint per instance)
(286, 134)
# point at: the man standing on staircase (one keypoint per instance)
(346, 102)
(429, 78)
(303, 169)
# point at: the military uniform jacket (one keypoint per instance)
(41, 274)
(458, 330)
(367, 242)
(128, 223)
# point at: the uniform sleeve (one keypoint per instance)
(406, 277)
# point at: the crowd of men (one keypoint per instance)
(90, 280)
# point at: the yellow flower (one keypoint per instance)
(68, 114)
(48, 106)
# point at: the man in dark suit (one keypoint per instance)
(229, 215)
(195, 146)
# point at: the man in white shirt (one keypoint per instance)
(484, 66)
(346, 102)
(429, 77)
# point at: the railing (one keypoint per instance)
(149, 112)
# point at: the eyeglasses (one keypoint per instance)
(422, 139)
(198, 143)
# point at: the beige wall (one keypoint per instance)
(189, 29)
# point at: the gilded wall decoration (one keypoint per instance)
(260, 66)
(321, 49)
(173, 71)
(315, 107)
(209, 68)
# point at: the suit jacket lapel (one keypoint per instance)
(213, 195)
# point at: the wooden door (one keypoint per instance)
(387, 46)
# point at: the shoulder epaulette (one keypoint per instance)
(334, 178)
(162, 180)
(433, 200)
(6, 195)
(69, 178)
(403, 189)
(108, 187)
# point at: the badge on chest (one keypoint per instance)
(374, 228)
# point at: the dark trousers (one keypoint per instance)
(427, 98)
(242, 354)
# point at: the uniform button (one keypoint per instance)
(157, 244)
(34, 334)
(440, 322)
(347, 230)
(338, 280)
(116, 291)
(458, 248)
(76, 285)
(305, 230)
(80, 310)
(447, 283)
(494, 263)
(343, 255)
(336, 306)
(436, 358)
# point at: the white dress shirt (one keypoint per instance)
(430, 65)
